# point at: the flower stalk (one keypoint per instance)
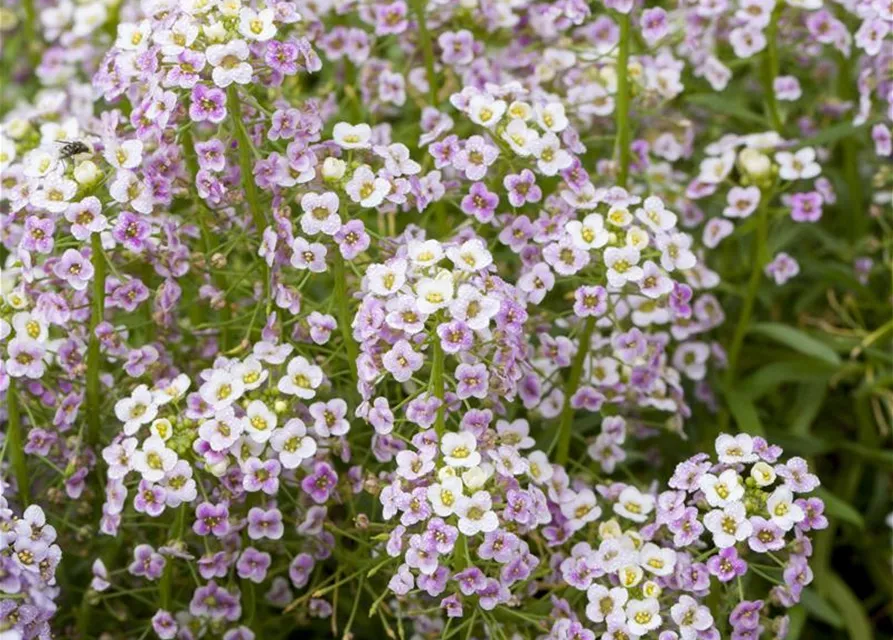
(344, 315)
(15, 443)
(770, 69)
(94, 355)
(419, 7)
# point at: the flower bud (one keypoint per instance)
(87, 173)
(333, 168)
(754, 164)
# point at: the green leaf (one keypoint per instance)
(839, 508)
(855, 621)
(726, 106)
(830, 135)
(798, 620)
(769, 377)
(810, 399)
(744, 411)
(820, 609)
(797, 340)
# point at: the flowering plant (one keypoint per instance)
(443, 320)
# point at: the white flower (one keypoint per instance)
(551, 117)
(259, 421)
(763, 474)
(728, 525)
(397, 161)
(605, 603)
(434, 293)
(445, 495)
(476, 514)
(634, 505)
(658, 560)
(473, 307)
(551, 158)
(630, 575)
(425, 253)
(221, 389)
(580, 509)
(38, 163)
(715, 170)
(655, 216)
(385, 279)
(174, 390)
(643, 616)
(161, 428)
(471, 256)
(588, 234)
(722, 490)
(30, 325)
(229, 63)
(538, 467)
(352, 136)
(520, 137)
(619, 216)
(622, 266)
(797, 166)
(475, 477)
(333, 168)
(124, 155)
(735, 449)
(782, 510)
(133, 37)
(320, 213)
(691, 617)
(675, 252)
(366, 188)
(257, 25)
(137, 410)
(301, 379)
(154, 459)
(637, 238)
(485, 111)
(251, 372)
(55, 194)
(459, 449)
(293, 444)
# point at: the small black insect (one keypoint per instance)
(73, 148)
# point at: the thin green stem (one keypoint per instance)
(437, 383)
(770, 69)
(565, 424)
(758, 257)
(94, 356)
(419, 7)
(622, 101)
(246, 168)
(16, 444)
(29, 32)
(344, 314)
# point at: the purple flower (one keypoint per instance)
(320, 484)
(253, 564)
(746, 615)
(814, 510)
(211, 518)
(654, 25)
(402, 361)
(470, 580)
(726, 565)
(132, 231)
(457, 47)
(782, 268)
(475, 157)
(796, 475)
(261, 475)
(164, 625)
(300, 568)
(146, 562)
(75, 269)
(265, 523)
(207, 104)
(25, 358)
(480, 203)
(630, 345)
(215, 602)
(38, 234)
(590, 301)
(391, 18)
(766, 536)
(522, 188)
(806, 207)
(472, 381)
(150, 499)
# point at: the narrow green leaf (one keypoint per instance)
(820, 609)
(797, 340)
(810, 399)
(838, 508)
(855, 621)
(769, 377)
(744, 411)
(726, 106)
(830, 135)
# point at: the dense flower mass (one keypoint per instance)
(438, 319)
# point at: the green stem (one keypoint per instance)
(219, 280)
(770, 69)
(622, 101)
(437, 382)
(94, 356)
(344, 316)
(419, 7)
(246, 168)
(15, 443)
(757, 261)
(29, 32)
(566, 420)
(164, 586)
